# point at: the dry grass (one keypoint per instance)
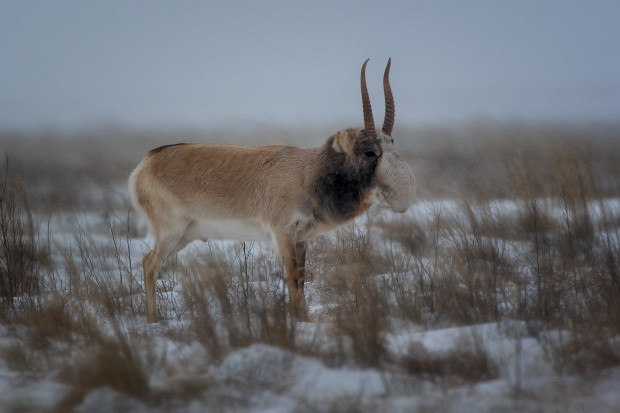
(458, 367)
(21, 257)
(529, 234)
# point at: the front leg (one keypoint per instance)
(300, 261)
(294, 258)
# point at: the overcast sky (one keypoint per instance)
(198, 64)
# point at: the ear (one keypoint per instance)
(344, 141)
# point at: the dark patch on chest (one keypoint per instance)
(343, 194)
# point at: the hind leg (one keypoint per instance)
(168, 242)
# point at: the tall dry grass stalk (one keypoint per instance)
(21, 256)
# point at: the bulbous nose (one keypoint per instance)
(397, 182)
(406, 195)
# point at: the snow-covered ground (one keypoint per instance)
(505, 365)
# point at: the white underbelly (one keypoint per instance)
(227, 229)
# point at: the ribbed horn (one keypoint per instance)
(388, 122)
(369, 122)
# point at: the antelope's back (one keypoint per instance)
(218, 180)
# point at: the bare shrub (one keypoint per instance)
(586, 354)
(104, 272)
(360, 314)
(456, 367)
(229, 309)
(477, 266)
(110, 362)
(20, 254)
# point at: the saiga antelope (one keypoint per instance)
(285, 194)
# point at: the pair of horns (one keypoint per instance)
(388, 122)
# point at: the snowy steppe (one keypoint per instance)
(524, 371)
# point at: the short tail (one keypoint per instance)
(133, 194)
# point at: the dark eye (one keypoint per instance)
(371, 154)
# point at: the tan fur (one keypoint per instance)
(280, 193)
(343, 141)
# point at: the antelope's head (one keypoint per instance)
(372, 152)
